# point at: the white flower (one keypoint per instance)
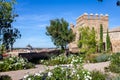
(56, 66)
(50, 74)
(71, 65)
(29, 78)
(78, 76)
(83, 72)
(88, 73)
(26, 76)
(37, 74)
(86, 79)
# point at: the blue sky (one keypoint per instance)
(34, 16)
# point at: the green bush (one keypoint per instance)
(94, 58)
(102, 58)
(115, 63)
(14, 63)
(5, 77)
(114, 68)
(96, 75)
(61, 59)
(116, 78)
(63, 72)
(29, 65)
(91, 58)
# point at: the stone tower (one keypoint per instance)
(88, 20)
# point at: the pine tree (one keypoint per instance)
(60, 33)
(101, 38)
(108, 41)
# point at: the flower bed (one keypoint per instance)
(14, 63)
(61, 59)
(72, 71)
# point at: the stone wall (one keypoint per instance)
(94, 20)
(115, 39)
(91, 20)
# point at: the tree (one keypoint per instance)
(87, 42)
(101, 38)
(7, 17)
(117, 3)
(108, 43)
(60, 34)
(10, 36)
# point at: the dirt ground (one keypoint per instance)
(17, 75)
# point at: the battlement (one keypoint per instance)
(91, 16)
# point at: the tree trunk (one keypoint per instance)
(65, 51)
(11, 47)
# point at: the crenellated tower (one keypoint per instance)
(89, 20)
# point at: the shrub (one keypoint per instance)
(29, 65)
(114, 68)
(115, 63)
(93, 58)
(5, 77)
(116, 78)
(102, 58)
(64, 72)
(96, 75)
(14, 63)
(61, 59)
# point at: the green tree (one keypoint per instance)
(8, 34)
(101, 38)
(2, 49)
(108, 43)
(87, 42)
(60, 34)
(117, 2)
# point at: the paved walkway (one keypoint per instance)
(17, 75)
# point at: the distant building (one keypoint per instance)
(94, 20)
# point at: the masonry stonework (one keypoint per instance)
(94, 20)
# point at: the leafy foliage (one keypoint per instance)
(10, 36)
(94, 58)
(2, 49)
(14, 63)
(108, 41)
(61, 59)
(63, 72)
(59, 32)
(96, 75)
(101, 38)
(5, 77)
(102, 58)
(7, 17)
(115, 63)
(117, 78)
(87, 42)
(117, 3)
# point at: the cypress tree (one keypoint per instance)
(108, 41)
(101, 37)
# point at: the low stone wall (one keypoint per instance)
(40, 55)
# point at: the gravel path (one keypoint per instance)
(17, 75)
